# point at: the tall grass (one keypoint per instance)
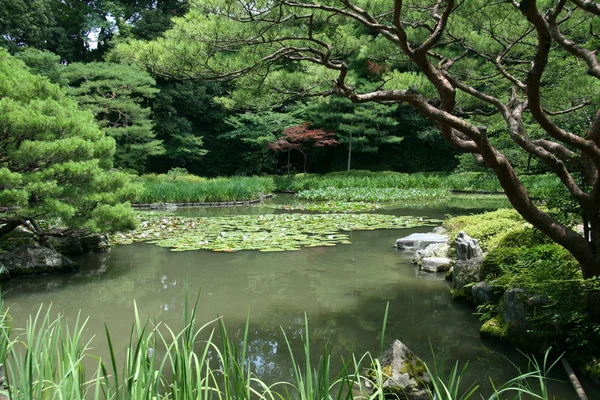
(539, 185)
(203, 190)
(51, 359)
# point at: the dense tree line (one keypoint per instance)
(162, 121)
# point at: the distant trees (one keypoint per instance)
(54, 160)
(304, 140)
(119, 97)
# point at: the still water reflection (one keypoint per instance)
(343, 290)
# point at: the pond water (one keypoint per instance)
(343, 290)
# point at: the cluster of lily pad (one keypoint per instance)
(270, 232)
(372, 194)
(331, 206)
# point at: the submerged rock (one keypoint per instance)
(435, 264)
(417, 241)
(467, 247)
(405, 375)
(35, 259)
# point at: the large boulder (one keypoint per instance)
(483, 293)
(405, 376)
(435, 264)
(518, 307)
(417, 241)
(80, 242)
(467, 247)
(466, 272)
(30, 259)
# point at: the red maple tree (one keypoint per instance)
(301, 138)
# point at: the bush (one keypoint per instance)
(489, 228)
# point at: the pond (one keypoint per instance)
(343, 290)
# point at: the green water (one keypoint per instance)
(343, 290)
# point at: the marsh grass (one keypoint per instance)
(48, 360)
(539, 185)
(203, 190)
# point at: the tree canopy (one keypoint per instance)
(54, 160)
(480, 69)
(117, 94)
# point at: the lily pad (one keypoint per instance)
(271, 232)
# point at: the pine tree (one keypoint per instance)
(54, 161)
(118, 96)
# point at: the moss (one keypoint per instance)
(414, 367)
(494, 328)
(489, 228)
(463, 294)
(449, 274)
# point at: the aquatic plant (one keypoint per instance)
(372, 194)
(190, 189)
(269, 232)
(199, 361)
(330, 206)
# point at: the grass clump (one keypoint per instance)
(192, 189)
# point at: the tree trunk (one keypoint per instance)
(288, 162)
(350, 151)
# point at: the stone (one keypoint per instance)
(467, 247)
(517, 308)
(433, 250)
(80, 242)
(483, 293)
(32, 259)
(405, 376)
(435, 264)
(440, 230)
(466, 272)
(417, 241)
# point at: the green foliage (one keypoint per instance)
(50, 359)
(54, 160)
(256, 131)
(489, 228)
(118, 95)
(372, 194)
(192, 189)
(183, 113)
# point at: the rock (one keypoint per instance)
(433, 250)
(467, 247)
(440, 230)
(466, 272)
(80, 242)
(418, 241)
(517, 308)
(95, 243)
(35, 259)
(405, 375)
(483, 293)
(435, 264)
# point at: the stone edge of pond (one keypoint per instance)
(164, 205)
